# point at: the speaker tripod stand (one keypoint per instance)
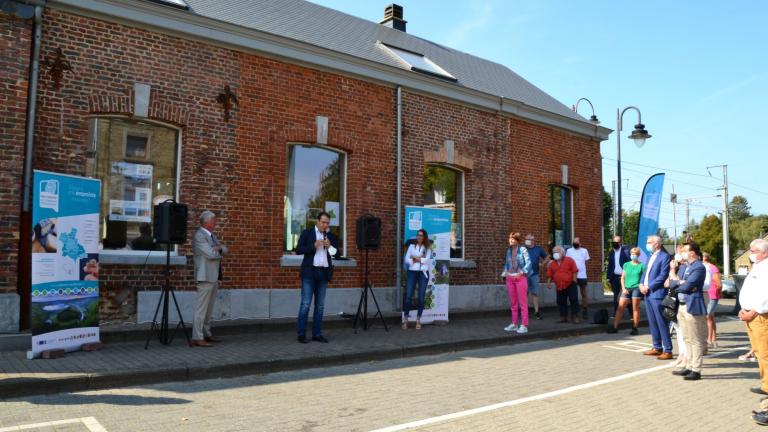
(362, 306)
(161, 328)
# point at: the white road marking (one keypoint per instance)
(634, 350)
(631, 346)
(89, 422)
(539, 397)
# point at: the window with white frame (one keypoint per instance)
(560, 215)
(137, 163)
(444, 188)
(316, 183)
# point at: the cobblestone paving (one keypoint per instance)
(369, 396)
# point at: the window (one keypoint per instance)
(560, 215)
(137, 163)
(418, 62)
(316, 182)
(444, 188)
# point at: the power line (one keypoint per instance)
(664, 169)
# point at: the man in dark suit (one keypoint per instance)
(652, 286)
(319, 246)
(617, 256)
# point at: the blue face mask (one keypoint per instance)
(634, 257)
(649, 247)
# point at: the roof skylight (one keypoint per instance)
(418, 62)
(181, 4)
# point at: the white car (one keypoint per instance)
(729, 288)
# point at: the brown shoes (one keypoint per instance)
(665, 356)
(653, 352)
(200, 343)
(213, 339)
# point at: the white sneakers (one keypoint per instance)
(514, 328)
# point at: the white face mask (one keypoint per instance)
(649, 247)
(528, 243)
(556, 256)
(753, 257)
(678, 257)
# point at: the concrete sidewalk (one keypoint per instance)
(260, 349)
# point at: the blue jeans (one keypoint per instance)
(413, 277)
(314, 286)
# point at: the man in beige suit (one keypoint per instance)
(208, 251)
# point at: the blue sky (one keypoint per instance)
(698, 71)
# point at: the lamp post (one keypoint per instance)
(639, 135)
(593, 119)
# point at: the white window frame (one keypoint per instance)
(342, 192)
(152, 256)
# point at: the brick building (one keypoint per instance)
(136, 93)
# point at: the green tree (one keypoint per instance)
(746, 230)
(630, 222)
(738, 209)
(607, 219)
(709, 236)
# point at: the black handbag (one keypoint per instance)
(669, 306)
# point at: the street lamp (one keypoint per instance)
(593, 119)
(639, 135)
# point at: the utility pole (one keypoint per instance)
(688, 215)
(614, 206)
(726, 237)
(673, 199)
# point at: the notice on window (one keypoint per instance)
(130, 192)
(332, 208)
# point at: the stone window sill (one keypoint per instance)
(155, 258)
(462, 263)
(295, 261)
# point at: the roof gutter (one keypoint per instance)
(188, 25)
(34, 74)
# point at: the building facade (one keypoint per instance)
(266, 127)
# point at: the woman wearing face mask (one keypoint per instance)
(417, 259)
(517, 265)
(715, 285)
(630, 284)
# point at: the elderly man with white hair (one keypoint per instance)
(754, 312)
(652, 287)
(208, 251)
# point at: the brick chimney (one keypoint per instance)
(393, 17)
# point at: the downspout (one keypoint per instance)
(34, 73)
(399, 234)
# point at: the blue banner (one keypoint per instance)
(650, 207)
(65, 261)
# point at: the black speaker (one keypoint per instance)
(170, 225)
(117, 234)
(368, 232)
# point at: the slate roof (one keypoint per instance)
(334, 30)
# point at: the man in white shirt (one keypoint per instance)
(580, 256)
(754, 308)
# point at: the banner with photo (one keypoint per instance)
(437, 223)
(65, 262)
(649, 212)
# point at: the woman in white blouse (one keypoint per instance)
(417, 259)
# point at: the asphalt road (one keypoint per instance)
(597, 382)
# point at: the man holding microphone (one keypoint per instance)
(319, 246)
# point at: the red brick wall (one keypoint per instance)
(15, 45)
(238, 169)
(507, 189)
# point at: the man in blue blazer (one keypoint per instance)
(319, 246)
(688, 283)
(652, 286)
(617, 256)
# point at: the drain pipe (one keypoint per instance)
(34, 73)
(399, 234)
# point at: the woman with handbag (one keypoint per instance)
(417, 259)
(692, 312)
(517, 265)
